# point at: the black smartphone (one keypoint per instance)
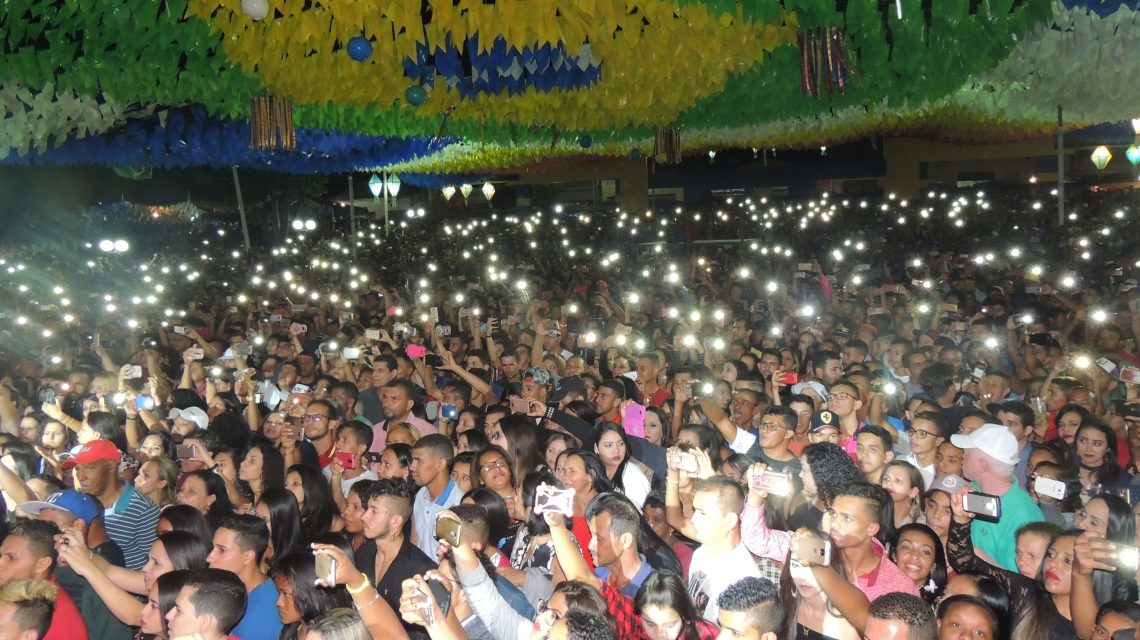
(441, 594)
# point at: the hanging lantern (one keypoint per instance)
(465, 189)
(1133, 155)
(449, 192)
(374, 185)
(1100, 157)
(488, 190)
(1136, 125)
(393, 185)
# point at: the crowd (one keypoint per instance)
(674, 445)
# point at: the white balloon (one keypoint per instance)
(255, 9)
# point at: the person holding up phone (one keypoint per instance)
(990, 455)
(348, 467)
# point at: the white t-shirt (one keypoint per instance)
(346, 483)
(710, 575)
(635, 483)
(927, 472)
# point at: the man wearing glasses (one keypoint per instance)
(319, 424)
(777, 426)
(927, 431)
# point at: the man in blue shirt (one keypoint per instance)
(614, 522)
(239, 543)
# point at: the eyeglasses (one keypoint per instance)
(919, 434)
(314, 417)
(494, 464)
(543, 609)
(840, 396)
(772, 427)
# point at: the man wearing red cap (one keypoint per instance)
(129, 516)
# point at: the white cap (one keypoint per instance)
(193, 414)
(993, 439)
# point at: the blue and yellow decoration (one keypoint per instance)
(475, 86)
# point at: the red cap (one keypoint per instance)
(95, 451)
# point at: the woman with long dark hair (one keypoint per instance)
(160, 600)
(918, 552)
(1096, 454)
(262, 468)
(278, 509)
(299, 600)
(1111, 518)
(181, 517)
(1041, 604)
(117, 587)
(611, 444)
(516, 435)
(206, 491)
(667, 611)
(314, 498)
(583, 472)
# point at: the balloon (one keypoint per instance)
(360, 48)
(586, 141)
(255, 9)
(415, 95)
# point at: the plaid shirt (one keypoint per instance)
(628, 623)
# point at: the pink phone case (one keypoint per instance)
(634, 422)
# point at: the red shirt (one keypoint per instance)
(66, 623)
(658, 398)
(581, 532)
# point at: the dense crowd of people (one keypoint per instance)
(682, 444)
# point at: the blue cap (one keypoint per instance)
(74, 502)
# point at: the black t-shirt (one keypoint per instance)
(806, 516)
(409, 562)
(792, 466)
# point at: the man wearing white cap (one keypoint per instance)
(989, 457)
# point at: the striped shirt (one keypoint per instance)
(131, 523)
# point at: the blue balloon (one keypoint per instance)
(360, 48)
(415, 95)
(586, 141)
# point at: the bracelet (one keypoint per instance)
(363, 585)
(362, 607)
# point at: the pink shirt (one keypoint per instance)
(884, 578)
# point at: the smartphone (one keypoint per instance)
(196, 353)
(1038, 405)
(789, 378)
(519, 405)
(448, 528)
(134, 372)
(300, 398)
(554, 500)
(1130, 375)
(977, 374)
(326, 568)
(441, 594)
(1127, 557)
(449, 412)
(803, 266)
(952, 308)
(275, 317)
(372, 334)
(958, 326)
(634, 421)
(185, 451)
(433, 314)
(350, 353)
(1049, 487)
(347, 460)
(433, 361)
(179, 329)
(773, 483)
(983, 505)
(144, 403)
(814, 550)
(416, 350)
(444, 329)
(686, 461)
(1034, 291)
(298, 329)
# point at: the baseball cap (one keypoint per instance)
(193, 414)
(567, 386)
(949, 483)
(993, 439)
(538, 375)
(74, 502)
(821, 420)
(95, 451)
